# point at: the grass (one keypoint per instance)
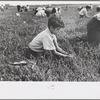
(15, 36)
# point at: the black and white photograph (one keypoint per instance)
(49, 41)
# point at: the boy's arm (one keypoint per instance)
(63, 55)
(55, 53)
(59, 51)
(58, 48)
(59, 54)
(52, 46)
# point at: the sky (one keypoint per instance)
(14, 3)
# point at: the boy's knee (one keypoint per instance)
(27, 52)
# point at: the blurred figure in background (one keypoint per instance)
(93, 27)
(83, 12)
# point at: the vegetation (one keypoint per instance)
(15, 34)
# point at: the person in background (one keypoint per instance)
(93, 28)
(84, 12)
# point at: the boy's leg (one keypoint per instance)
(28, 53)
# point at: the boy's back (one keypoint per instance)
(43, 40)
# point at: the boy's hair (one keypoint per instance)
(55, 21)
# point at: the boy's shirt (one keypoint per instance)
(43, 41)
(83, 11)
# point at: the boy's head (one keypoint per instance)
(55, 21)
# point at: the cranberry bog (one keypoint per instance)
(17, 31)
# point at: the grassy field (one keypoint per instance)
(15, 34)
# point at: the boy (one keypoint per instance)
(47, 41)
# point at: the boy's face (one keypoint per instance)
(55, 30)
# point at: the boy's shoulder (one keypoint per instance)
(43, 31)
(46, 31)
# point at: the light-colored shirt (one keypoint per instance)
(39, 8)
(43, 41)
(41, 13)
(83, 11)
(49, 9)
(97, 16)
